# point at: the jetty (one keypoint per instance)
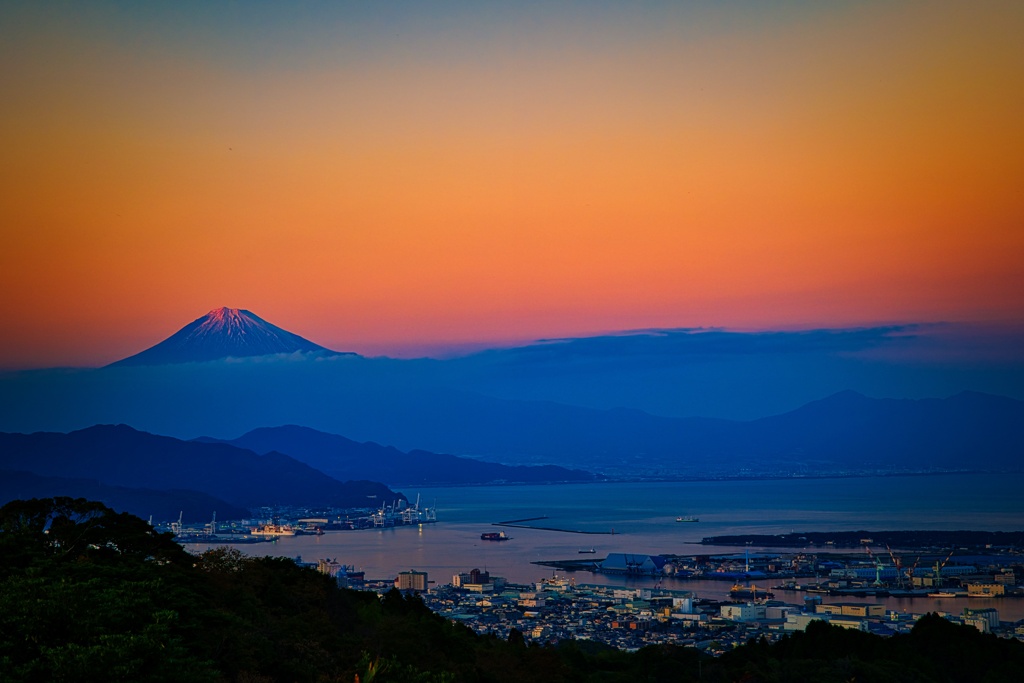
(571, 565)
(520, 524)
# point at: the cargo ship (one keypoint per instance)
(687, 518)
(751, 592)
(274, 530)
(494, 536)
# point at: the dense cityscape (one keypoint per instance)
(559, 608)
(773, 592)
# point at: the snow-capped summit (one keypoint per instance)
(222, 333)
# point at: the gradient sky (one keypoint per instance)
(406, 178)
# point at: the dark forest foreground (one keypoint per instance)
(87, 594)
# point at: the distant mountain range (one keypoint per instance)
(344, 458)
(231, 372)
(223, 333)
(119, 456)
(842, 433)
(156, 475)
(969, 430)
(845, 432)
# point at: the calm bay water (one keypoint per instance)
(643, 515)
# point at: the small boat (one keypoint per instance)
(586, 551)
(687, 518)
(494, 536)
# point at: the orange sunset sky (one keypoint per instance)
(410, 178)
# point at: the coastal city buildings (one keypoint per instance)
(559, 608)
(773, 592)
(411, 580)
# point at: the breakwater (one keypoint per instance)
(519, 524)
(929, 539)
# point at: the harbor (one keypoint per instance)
(272, 524)
(643, 516)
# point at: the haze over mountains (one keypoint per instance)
(613, 404)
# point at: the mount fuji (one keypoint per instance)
(223, 333)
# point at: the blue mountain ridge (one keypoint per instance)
(344, 458)
(119, 456)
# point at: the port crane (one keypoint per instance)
(176, 527)
(878, 566)
(897, 562)
(939, 567)
(910, 572)
(904, 574)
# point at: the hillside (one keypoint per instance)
(121, 456)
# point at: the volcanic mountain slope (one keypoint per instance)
(223, 333)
